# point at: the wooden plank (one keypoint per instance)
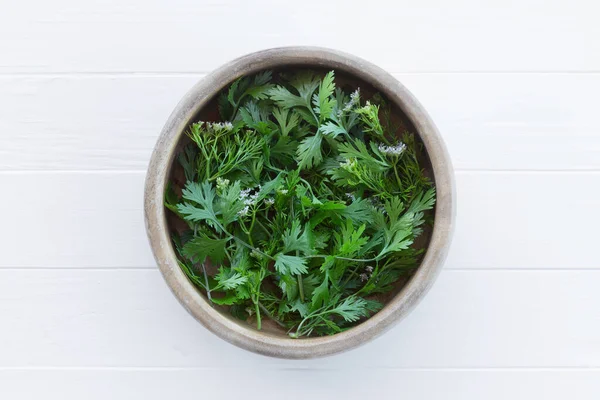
(129, 318)
(197, 36)
(489, 121)
(298, 383)
(504, 220)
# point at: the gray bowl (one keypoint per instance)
(244, 335)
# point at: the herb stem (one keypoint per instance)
(268, 314)
(397, 177)
(257, 311)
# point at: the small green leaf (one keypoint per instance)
(290, 265)
(332, 130)
(229, 279)
(201, 247)
(323, 102)
(309, 152)
(320, 295)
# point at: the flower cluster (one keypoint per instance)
(244, 211)
(367, 274)
(222, 184)
(248, 197)
(396, 150)
(354, 99)
(348, 164)
(220, 126)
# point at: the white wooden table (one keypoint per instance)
(85, 86)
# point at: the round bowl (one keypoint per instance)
(244, 335)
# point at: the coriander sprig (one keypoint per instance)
(302, 204)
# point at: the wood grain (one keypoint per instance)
(298, 383)
(129, 318)
(489, 121)
(504, 220)
(197, 36)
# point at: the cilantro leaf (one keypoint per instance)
(287, 120)
(201, 247)
(296, 240)
(229, 279)
(323, 103)
(290, 265)
(309, 152)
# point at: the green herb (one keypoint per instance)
(302, 206)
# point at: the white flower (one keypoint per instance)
(396, 150)
(364, 277)
(354, 99)
(244, 211)
(369, 269)
(220, 126)
(351, 196)
(282, 191)
(270, 201)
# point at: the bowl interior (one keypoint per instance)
(348, 83)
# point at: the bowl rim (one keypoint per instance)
(245, 336)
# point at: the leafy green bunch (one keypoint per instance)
(302, 206)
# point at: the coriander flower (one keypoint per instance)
(245, 193)
(354, 99)
(270, 201)
(244, 211)
(396, 150)
(369, 269)
(348, 164)
(222, 183)
(282, 191)
(364, 277)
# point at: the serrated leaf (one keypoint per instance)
(305, 83)
(352, 309)
(300, 307)
(296, 240)
(232, 92)
(322, 102)
(284, 98)
(289, 286)
(229, 203)
(201, 247)
(195, 214)
(320, 295)
(287, 120)
(359, 211)
(259, 92)
(309, 152)
(332, 130)
(306, 116)
(228, 279)
(227, 300)
(290, 265)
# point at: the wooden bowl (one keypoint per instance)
(400, 303)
